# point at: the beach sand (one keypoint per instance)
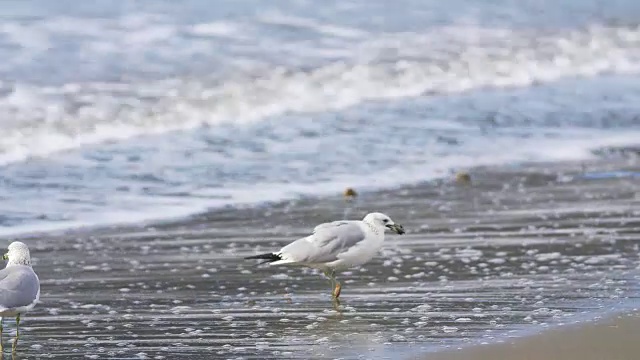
(520, 247)
(610, 339)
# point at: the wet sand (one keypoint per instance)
(611, 339)
(521, 248)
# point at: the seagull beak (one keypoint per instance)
(397, 228)
(5, 256)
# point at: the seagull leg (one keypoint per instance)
(1, 342)
(327, 273)
(336, 305)
(336, 285)
(15, 341)
(336, 290)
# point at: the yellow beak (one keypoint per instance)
(5, 256)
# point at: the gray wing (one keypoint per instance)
(19, 286)
(3, 273)
(328, 241)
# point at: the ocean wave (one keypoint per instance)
(41, 120)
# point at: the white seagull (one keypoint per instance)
(335, 246)
(19, 286)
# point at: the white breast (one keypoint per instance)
(364, 251)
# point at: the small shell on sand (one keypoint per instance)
(463, 178)
(349, 194)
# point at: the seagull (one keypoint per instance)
(335, 246)
(19, 287)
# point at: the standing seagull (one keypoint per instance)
(336, 246)
(19, 286)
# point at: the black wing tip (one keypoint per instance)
(270, 257)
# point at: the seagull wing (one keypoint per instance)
(19, 286)
(326, 244)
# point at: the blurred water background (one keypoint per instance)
(115, 112)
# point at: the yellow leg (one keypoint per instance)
(336, 290)
(15, 341)
(336, 305)
(335, 285)
(1, 340)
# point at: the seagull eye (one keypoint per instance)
(385, 221)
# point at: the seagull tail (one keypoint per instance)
(267, 257)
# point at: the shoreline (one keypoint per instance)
(612, 337)
(569, 165)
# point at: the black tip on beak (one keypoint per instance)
(398, 229)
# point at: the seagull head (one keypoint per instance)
(381, 220)
(18, 254)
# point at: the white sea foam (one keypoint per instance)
(218, 28)
(138, 209)
(75, 115)
(278, 18)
